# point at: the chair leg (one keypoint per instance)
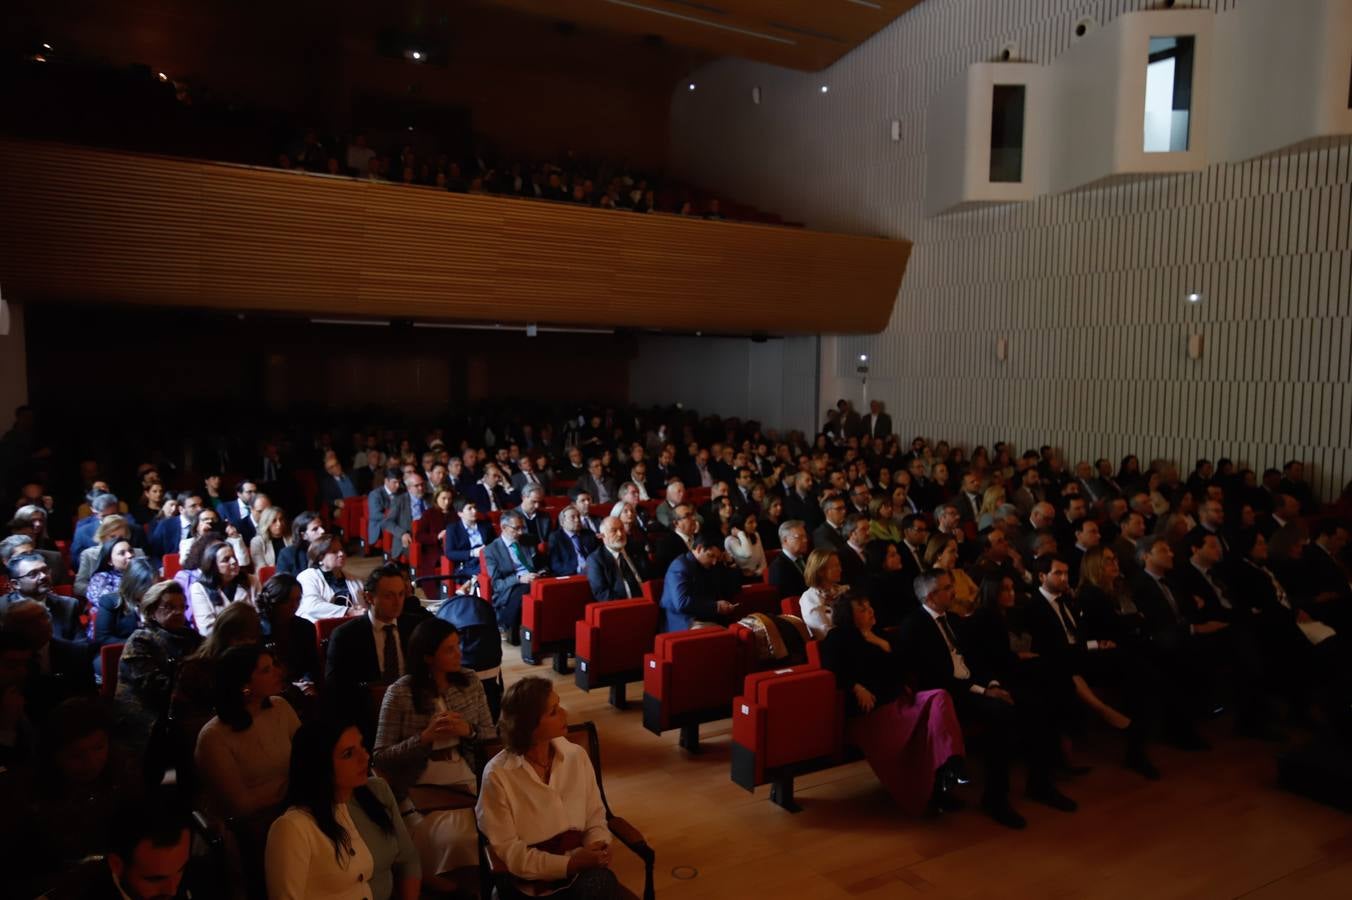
(781, 794)
(561, 662)
(690, 738)
(617, 696)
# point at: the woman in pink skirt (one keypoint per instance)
(912, 741)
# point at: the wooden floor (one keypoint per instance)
(1214, 826)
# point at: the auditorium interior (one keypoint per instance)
(630, 448)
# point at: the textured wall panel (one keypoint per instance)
(95, 226)
(1088, 286)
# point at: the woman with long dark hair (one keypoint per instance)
(430, 722)
(292, 559)
(291, 637)
(221, 583)
(341, 837)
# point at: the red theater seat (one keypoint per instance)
(691, 677)
(171, 565)
(485, 580)
(324, 629)
(788, 606)
(770, 557)
(265, 573)
(600, 510)
(652, 591)
(757, 598)
(352, 520)
(786, 722)
(109, 657)
(549, 612)
(610, 642)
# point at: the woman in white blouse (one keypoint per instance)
(327, 593)
(744, 546)
(220, 584)
(822, 576)
(539, 805)
(274, 534)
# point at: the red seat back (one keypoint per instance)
(614, 635)
(652, 591)
(689, 671)
(485, 580)
(266, 572)
(171, 565)
(600, 510)
(757, 598)
(553, 606)
(788, 716)
(789, 606)
(110, 655)
(65, 590)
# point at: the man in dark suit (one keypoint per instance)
(1087, 537)
(169, 532)
(877, 424)
(1293, 485)
(525, 475)
(513, 566)
(690, 589)
(853, 557)
(32, 581)
(570, 545)
(488, 493)
(371, 648)
(969, 498)
(1054, 622)
(660, 472)
(1329, 582)
(535, 519)
(741, 493)
(678, 541)
(597, 483)
(388, 511)
(831, 534)
(786, 572)
(103, 506)
(335, 488)
(935, 654)
(239, 512)
(610, 572)
(464, 537)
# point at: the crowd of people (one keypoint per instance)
(566, 180)
(948, 589)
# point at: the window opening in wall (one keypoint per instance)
(1007, 106)
(1168, 93)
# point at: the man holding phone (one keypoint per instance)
(690, 592)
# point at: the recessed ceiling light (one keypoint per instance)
(825, 89)
(417, 54)
(46, 46)
(690, 86)
(163, 77)
(1194, 297)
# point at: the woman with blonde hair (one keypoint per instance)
(941, 552)
(992, 500)
(822, 577)
(274, 536)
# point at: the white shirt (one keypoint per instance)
(316, 598)
(816, 610)
(204, 612)
(378, 629)
(517, 809)
(749, 555)
(301, 865)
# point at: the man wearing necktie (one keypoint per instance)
(511, 565)
(938, 658)
(786, 572)
(610, 572)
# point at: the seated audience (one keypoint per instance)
(431, 536)
(389, 512)
(690, 590)
(30, 579)
(305, 529)
(291, 638)
(912, 741)
(98, 563)
(243, 753)
(274, 536)
(540, 808)
(370, 648)
(221, 583)
(58, 669)
(611, 572)
(118, 614)
(465, 537)
(430, 722)
(512, 566)
(822, 577)
(326, 592)
(744, 546)
(571, 545)
(788, 569)
(148, 667)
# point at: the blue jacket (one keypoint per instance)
(562, 554)
(603, 575)
(458, 549)
(689, 593)
(229, 510)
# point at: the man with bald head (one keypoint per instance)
(610, 572)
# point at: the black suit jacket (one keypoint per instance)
(538, 529)
(827, 538)
(1193, 584)
(785, 576)
(804, 509)
(875, 427)
(921, 644)
(603, 574)
(563, 556)
(670, 547)
(1160, 617)
(352, 658)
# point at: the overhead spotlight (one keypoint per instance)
(39, 58)
(1194, 297)
(825, 89)
(162, 77)
(690, 86)
(863, 357)
(46, 46)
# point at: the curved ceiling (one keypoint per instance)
(799, 34)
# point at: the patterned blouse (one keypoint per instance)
(400, 754)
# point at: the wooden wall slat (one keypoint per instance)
(89, 225)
